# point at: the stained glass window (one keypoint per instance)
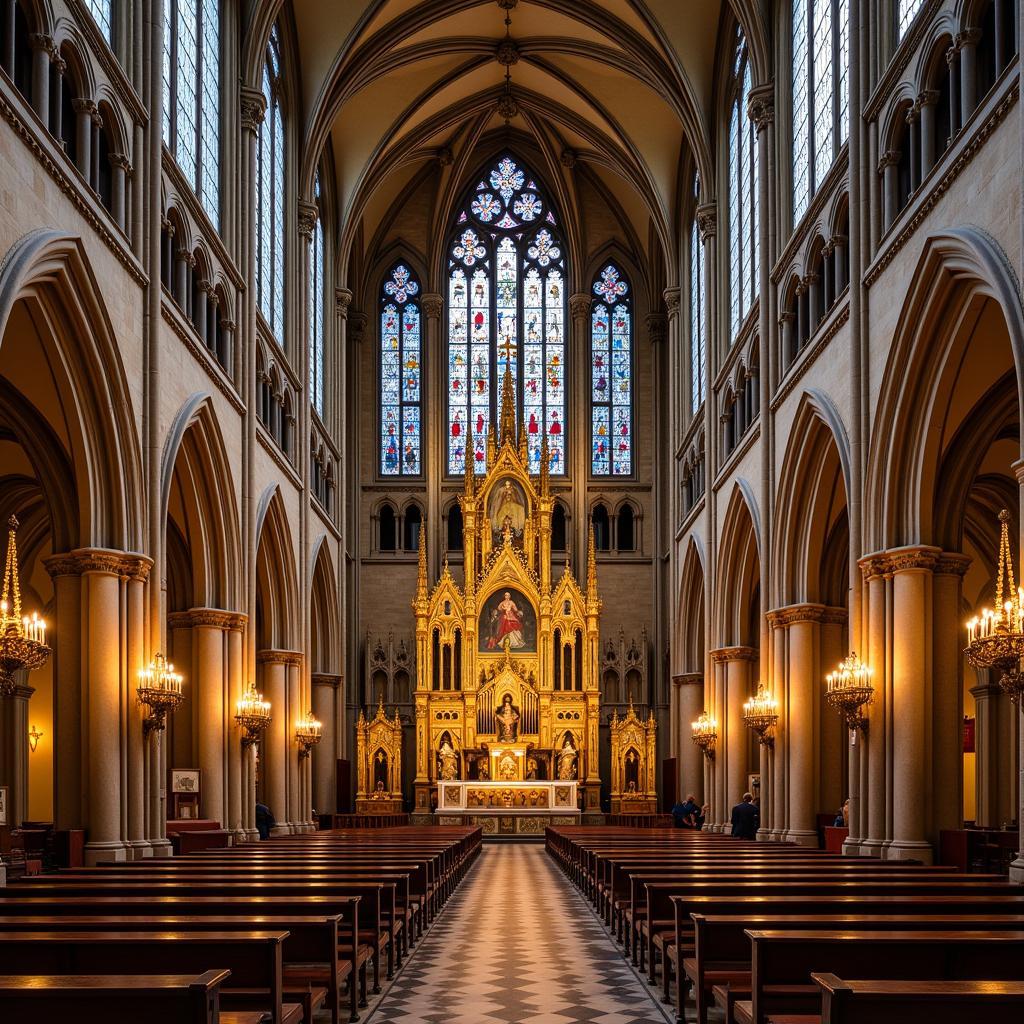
(906, 11)
(698, 337)
(821, 82)
(316, 307)
(270, 196)
(102, 12)
(401, 374)
(506, 304)
(743, 205)
(611, 375)
(191, 73)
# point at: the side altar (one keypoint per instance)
(507, 664)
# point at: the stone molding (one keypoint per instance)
(657, 328)
(357, 326)
(309, 214)
(330, 679)
(432, 304)
(217, 618)
(672, 297)
(707, 221)
(950, 563)
(761, 106)
(688, 679)
(342, 300)
(579, 305)
(253, 108)
(739, 653)
(907, 559)
(100, 560)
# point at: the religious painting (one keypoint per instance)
(508, 617)
(184, 780)
(507, 509)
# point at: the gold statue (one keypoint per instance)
(508, 770)
(567, 761)
(448, 763)
(508, 720)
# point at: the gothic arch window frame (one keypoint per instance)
(507, 211)
(905, 13)
(317, 304)
(820, 66)
(400, 378)
(193, 34)
(272, 181)
(611, 379)
(742, 177)
(103, 14)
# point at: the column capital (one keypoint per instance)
(100, 560)
(342, 300)
(890, 158)
(811, 279)
(41, 41)
(309, 213)
(927, 98)
(1018, 469)
(121, 161)
(579, 305)
(787, 316)
(968, 37)
(276, 657)
(657, 328)
(433, 305)
(688, 679)
(214, 618)
(839, 241)
(807, 612)
(952, 563)
(357, 322)
(951, 55)
(253, 107)
(330, 679)
(707, 220)
(739, 653)
(761, 106)
(672, 297)
(83, 105)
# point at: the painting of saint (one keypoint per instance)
(507, 506)
(508, 617)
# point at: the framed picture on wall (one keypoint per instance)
(3, 805)
(754, 786)
(185, 790)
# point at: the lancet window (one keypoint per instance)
(743, 205)
(611, 359)
(506, 304)
(103, 14)
(270, 197)
(316, 305)
(192, 88)
(698, 330)
(401, 374)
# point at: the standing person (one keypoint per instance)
(745, 818)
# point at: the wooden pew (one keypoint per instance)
(310, 951)
(253, 959)
(116, 999)
(782, 963)
(897, 1002)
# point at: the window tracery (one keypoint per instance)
(611, 356)
(506, 303)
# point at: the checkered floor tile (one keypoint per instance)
(517, 945)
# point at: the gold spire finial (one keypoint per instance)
(545, 466)
(591, 566)
(508, 398)
(11, 595)
(470, 470)
(421, 574)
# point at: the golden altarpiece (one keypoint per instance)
(379, 763)
(507, 665)
(633, 786)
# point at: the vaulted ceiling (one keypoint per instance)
(622, 88)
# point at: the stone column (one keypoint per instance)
(734, 738)
(42, 48)
(839, 265)
(787, 326)
(298, 812)
(326, 697)
(679, 378)
(689, 689)
(912, 138)
(779, 793)
(84, 110)
(876, 571)
(209, 691)
(986, 758)
(142, 840)
(120, 170)
(278, 755)
(238, 810)
(926, 104)
(887, 166)
(911, 672)
(1017, 867)
(814, 310)
(14, 750)
(967, 43)
(953, 70)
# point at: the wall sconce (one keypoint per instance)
(34, 736)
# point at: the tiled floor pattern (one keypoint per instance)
(517, 945)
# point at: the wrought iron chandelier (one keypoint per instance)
(22, 638)
(849, 689)
(252, 715)
(160, 690)
(704, 733)
(308, 733)
(995, 639)
(761, 713)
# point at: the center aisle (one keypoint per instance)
(516, 943)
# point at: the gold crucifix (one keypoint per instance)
(508, 350)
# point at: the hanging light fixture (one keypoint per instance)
(995, 638)
(252, 713)
(308, 733)
(704, 733)
(160, 690)
(22, 638)
(507, 54)
(761, 713)
(848, 690)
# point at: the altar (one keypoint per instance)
(508, 808)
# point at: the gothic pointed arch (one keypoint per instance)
(737, 602)
(276, 580)
(689, 647)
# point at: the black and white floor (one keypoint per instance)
(517, 945)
